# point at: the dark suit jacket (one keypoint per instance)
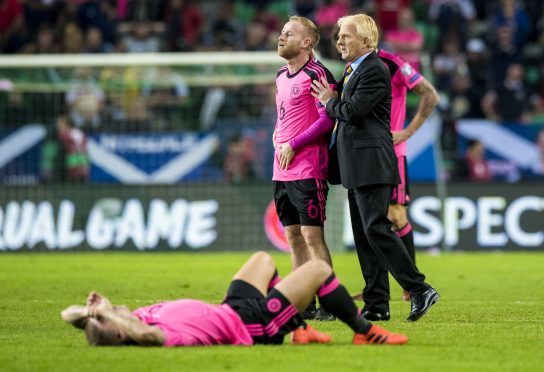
(364, 144)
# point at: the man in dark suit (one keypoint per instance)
(368, 167)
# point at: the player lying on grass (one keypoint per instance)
(258, 309)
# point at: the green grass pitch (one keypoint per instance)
(490, 316)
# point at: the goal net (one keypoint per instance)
(138, 151)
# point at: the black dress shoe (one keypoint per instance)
(324, 316)
(311, 311)
(376, 316)
(421, 302)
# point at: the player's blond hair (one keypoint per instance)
(97, 335)
(365, 28)
(311, 27)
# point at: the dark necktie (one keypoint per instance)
(349, 70)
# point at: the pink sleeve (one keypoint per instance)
(320, 127)
(410, 76)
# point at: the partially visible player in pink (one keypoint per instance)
(406, 40)
(403, 78)
(259, 308)
(300, 140)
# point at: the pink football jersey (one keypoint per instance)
(403, 77)
(297, 110)
(192, 322)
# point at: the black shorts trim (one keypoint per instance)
(400, 194)
(267, 318)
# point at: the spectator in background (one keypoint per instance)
(477, 63)
(538, 117)
(508, 101)
(535, 11)
(141, 39)
(406, 40)
(16, 112)
(267, 18)
(388, 12)
(143, 10)
(39, 12)
(326, 16)
(504, 52)
(304, 8)
(138, 118)
(329, 11)
(238, 165)
(122, 9)
(540, 26)
(101, 14)
(447, 63)
(12, 26)
(67, 13)
(44, 42)
(256, 38)
(511, 15)
(478, 78)
(85, 100)
(184, 24)
(464, 98)
(540, 87)
(72, 41)
(94, 42)
(130, 115)
(227, 32)
(74, 143)
(477, 166)
(453, 19)
(165, 91)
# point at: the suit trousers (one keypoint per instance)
(379, 249)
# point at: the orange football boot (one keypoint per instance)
(379, 336)
(310, 335)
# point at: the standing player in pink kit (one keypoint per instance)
(403, 78)
(259, 308)
(300, 140)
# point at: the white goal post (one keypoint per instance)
(142, 59)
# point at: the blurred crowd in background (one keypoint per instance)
(484, 57)
(483, 53)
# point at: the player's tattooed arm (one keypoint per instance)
(428, 99)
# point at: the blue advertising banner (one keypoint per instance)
(153, 158)
(20, 152)
(421, 153)
(513, 151)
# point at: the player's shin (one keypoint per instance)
(334, 297)
(406, 234)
